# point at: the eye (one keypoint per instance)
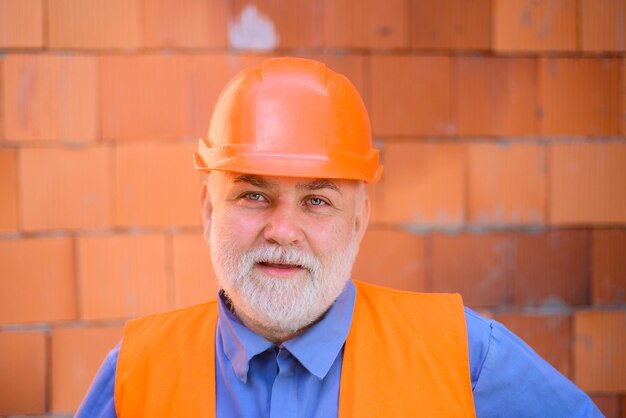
(254, 196)
(317, 201)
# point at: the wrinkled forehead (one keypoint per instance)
(224, 179)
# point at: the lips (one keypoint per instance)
(280, 265)
(280, 269)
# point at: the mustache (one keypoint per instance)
(274, 254)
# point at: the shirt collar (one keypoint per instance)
(240, 344)
(316, 349)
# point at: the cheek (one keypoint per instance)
(237, 227)
(326, 239)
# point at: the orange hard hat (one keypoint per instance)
(290, 117)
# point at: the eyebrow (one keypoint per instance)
(258, 181)
(319, 184)
(253, 179)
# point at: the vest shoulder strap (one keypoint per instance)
(157, 373)
(406, 355)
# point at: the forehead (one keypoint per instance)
(277, 182)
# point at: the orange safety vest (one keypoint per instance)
(406, 355)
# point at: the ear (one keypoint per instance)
(206, 209)
(363, 215)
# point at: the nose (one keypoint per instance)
(284, 226)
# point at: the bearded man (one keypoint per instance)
(291, 335)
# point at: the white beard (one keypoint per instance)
(281, 306)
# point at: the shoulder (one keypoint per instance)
(438, 313)
(172, 320)
(147, 336)
(508, 375)
(384, 295)
(432, 321)
(479, 332)
(189, 311)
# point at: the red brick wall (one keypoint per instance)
(502, 126)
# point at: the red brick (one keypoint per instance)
(23, 377)
(507, 184)
(411, 95)
(487, 313)
(579, 96)
(602, 25)
(81, 185)
(451, 24)
(623, 101)
(599, 354)
(551, 268)
(496, 96)
(548, 334)
(144, 96)
(77, 353)
(121, 276)
(50, 97)
(21, 23)
(392, 258)
(473, 265)
(587, 183)
(196, 24)
(608, 262)
(8, 190)
(608, 404)
(2, 135)
(95, 24)
(294, 24)
(534, 25)
(156, 185)
(206, 79)
(366, 24)
(37, 280)
(194, 278)
(423, 184)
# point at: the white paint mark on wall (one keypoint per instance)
(253, 31)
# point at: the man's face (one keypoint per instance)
(283, 248)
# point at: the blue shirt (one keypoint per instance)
(300, 378)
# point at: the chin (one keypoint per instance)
(284, 305)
